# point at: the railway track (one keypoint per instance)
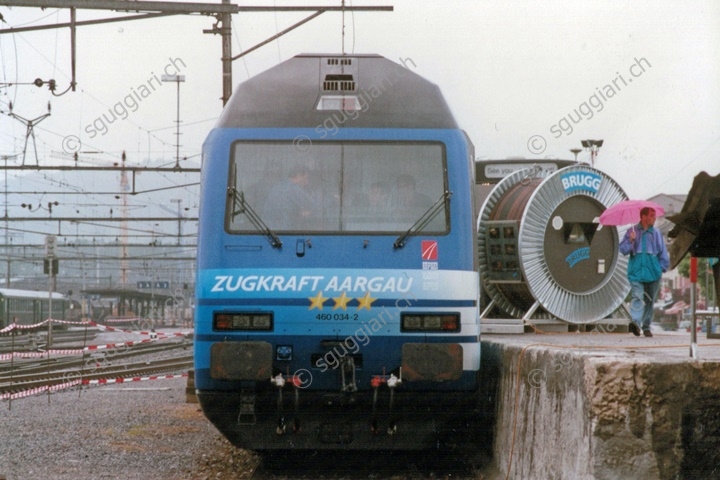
(27, 366)
(108, 363)
(31, 341)
(20, 383)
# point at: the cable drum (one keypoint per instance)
(542, 251)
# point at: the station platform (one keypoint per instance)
(599, 405)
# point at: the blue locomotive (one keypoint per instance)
(337, 288)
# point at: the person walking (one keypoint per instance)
(649, 259)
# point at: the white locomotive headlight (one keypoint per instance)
(339, 102)
(242, 321)
(412, 322)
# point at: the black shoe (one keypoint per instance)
(647, 333)
(633, 328)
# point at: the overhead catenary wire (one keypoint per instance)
(701, 154)
(237, 39)
(277, 30)
(57, 69)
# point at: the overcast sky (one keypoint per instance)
(642, 78)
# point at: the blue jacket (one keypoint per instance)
(654, 244)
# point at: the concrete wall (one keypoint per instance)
(569, 413)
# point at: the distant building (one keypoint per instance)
(671, 203)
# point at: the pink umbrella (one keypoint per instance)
(628, 211)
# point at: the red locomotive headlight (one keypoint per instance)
(430, 322)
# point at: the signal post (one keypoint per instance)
(50, 265)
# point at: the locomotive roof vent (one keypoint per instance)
(301, 91)
(339, 83)
(339, 61)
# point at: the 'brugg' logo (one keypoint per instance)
(581, 181)
(578, 255)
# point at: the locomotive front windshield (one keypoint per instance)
(333, 187)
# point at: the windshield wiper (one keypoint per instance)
(424, 219)
(240, 206)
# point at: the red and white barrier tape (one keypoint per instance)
(70, 322)
(89, 348)
(14, 326)
(102, 381)
(110, 381)
(106, 328)
(43, 389)
(141, 332)
(8, 356)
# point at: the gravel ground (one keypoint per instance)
(146, 430)
(142, 430)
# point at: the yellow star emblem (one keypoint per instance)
(341, 301)
(317, 301)
(366, 301)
